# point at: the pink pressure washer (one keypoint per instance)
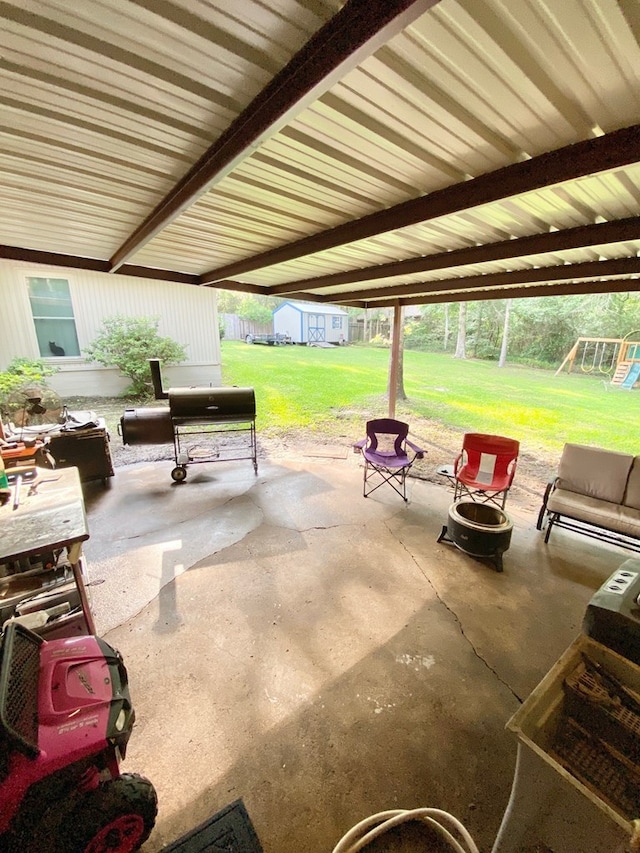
(65, 721)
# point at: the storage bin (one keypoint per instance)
(577, 782)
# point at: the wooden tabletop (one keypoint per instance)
(50, 518)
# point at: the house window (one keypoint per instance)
(336, 322)
(53, 318)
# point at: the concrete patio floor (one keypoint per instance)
(319, 655)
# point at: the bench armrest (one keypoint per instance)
(550, 487)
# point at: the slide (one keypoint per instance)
(632, 376)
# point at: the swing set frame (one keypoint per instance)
(604, 355)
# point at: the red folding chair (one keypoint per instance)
(388, 455)
(485, 467)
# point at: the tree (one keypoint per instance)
(128, 343)
(228, 301)
(543, 329)
(256, 310)
(446, 327)
(505, 334)
(461, 343)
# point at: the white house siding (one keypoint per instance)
(186, 313)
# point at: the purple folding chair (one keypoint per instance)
(388, 455)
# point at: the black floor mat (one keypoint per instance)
(228, 831)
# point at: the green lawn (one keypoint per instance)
(307, 387)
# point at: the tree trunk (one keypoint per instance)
(461, 343)
(446, 326)
(400, 392)
(505, 334)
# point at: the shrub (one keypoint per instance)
(380, 341)
(128, 343)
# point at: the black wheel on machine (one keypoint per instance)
(115, 818)
(179, 474)
(249, 339)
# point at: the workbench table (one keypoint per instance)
(49, 516)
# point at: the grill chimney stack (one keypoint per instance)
(156, 378)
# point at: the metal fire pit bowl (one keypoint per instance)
(479, 530)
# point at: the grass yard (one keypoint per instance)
(307, 395)
(323, 389)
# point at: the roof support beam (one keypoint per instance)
(614, 150)
(582, 236)
(354, 33)
(587, 269)
(577, 288)
(55, 259)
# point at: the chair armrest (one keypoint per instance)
(417, 450)
(550, 487)
(359, 445)
(456, 463)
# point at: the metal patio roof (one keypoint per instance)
(376, 152)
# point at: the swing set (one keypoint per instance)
(615, 357)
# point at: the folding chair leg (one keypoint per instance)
(396, 479)
(478, 496)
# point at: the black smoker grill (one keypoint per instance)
(205, 424)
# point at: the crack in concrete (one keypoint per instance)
(458, 621)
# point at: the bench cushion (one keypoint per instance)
(594, 472)
(611, 516)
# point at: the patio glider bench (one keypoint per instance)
(596, 492)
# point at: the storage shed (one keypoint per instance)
(311, 323)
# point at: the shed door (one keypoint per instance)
(316, 327)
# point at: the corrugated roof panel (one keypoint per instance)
(483, 58)
(55, 129)
(107, 105)
(163, 82)
(368, 144)
(349, 139)
(608, 195)
(139, 132)
(63, 185)
(435, 117)
(68, 58)
(172, 43)
(315, 199)
(295, 151)
(30, 153)
(593, 37)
